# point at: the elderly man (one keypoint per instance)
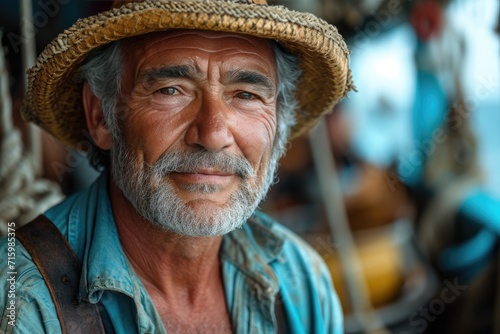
(188, 106)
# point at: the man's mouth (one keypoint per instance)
(205, 164)
(204, 176)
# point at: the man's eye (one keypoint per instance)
(246, 95)
(168, 91)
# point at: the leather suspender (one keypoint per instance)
(61, 271)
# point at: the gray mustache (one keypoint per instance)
(192, 162)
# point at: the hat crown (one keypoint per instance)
(119, 3)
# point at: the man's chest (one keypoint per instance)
(198, 325)
(210, 319)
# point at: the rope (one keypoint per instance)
(22, 196)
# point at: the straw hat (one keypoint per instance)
(53, 99)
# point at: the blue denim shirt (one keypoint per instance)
(258, 260)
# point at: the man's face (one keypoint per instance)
(197, 130)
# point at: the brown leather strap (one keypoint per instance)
(59, 267)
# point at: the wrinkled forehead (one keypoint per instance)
(198, 39)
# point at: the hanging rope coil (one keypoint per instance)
(22, 195)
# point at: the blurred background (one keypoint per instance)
(406, 208)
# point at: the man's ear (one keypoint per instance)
(96, 124)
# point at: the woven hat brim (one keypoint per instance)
(53, 99)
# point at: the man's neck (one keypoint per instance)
(179, 268)
(181, 274)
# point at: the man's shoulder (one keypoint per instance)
(19, 262)
(28, 301)
(24, 298)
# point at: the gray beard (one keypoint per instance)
(149, 191)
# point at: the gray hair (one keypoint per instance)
(103, 71)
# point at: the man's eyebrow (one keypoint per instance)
(250, 77)
(177, 71)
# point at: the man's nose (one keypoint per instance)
(209, 128)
